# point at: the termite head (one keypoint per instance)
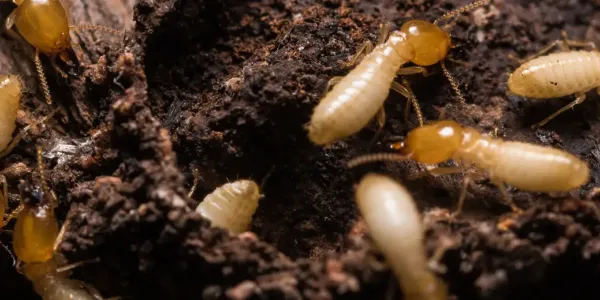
(37, 270)
(430, 42)
(433, 143)
(44, 24)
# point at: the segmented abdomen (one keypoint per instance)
(529, 167)
(355, 100)
(557, 75)
(231, 205)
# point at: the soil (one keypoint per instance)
(226, 87)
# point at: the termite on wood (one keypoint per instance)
(11, 92)
(568, 72)
(356, 98)
(45, 25)
(525, 166)
(395, 225)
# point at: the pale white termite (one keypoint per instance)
(231, 205)
(359, 96)
(558, 75)
(395, 225)
(525, 166)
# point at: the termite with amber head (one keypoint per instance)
(525, 166)
(36, 238)
(45, 25)
(359, 96)
(395, 225)
(569, 72)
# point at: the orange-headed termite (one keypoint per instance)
(525, 166)
(45, 25)
(558, 74)
(395, 225)
(359, 96)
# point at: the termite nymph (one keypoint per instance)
(231, 205)
(356, 98)
(568, 72)
(525, 166)
(395, 225)
(45, 25)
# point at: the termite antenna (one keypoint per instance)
(42, 76)
(368, 158)
(453, 83)
(461, 10)
(42, 177)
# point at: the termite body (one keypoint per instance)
(231, 205)
(359, 96)
(45, 25)
(558, 75)
(525, 166)
(395, 225)
(52, 284)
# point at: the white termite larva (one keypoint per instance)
(396, 227)
(231, 205)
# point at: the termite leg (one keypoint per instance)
(405, 91)
(23, 131)
(436, 172)
(580, 98)
(413, 70)
(380, 124)
(506, 196)
(61, 234)
(333, 81)
(463, 194)
(196, 175)
(57, 68)
(367, 47)
(384, 32)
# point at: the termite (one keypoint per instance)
(395, 225)
(231, 205)
(356, 98)
(45, 25)
(525, 166)
(558, 74)
(11, 92)
(36, 238)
